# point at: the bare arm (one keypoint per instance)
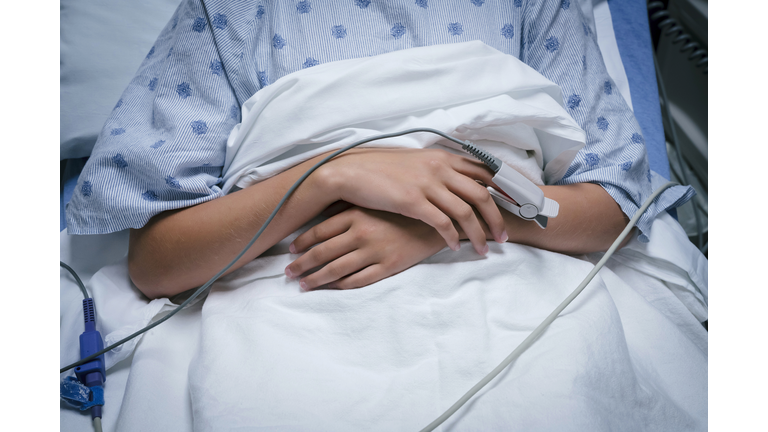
(179, 250)
(589, 221)
(359, 247)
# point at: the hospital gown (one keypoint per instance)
(163, 146)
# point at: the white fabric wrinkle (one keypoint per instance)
(310, 112)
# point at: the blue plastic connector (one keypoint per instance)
(92, 374)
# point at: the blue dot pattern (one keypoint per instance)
(172, 182)
(86, 189)
(199, 25)
(573, 101)
(309, 62)
(398, 30)
(263, 78)
(118, 104)
(508, 31)
(178, 110)
(304, 7)
(455, 29)
(199, 127)
(151, 51)
(278, 42)
(339, 31)
(552, 44)
(184, 90)
(219, 21)
(602, 124)
(149, 195)
(119, 161)
(215, 67)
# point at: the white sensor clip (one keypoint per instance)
(527, 200)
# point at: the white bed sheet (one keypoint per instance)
(628, 353)
(150, 390)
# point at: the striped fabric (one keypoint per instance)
(163, 146)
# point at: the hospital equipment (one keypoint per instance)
(163, 318)
(679, 34)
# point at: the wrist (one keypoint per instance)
(326, 180)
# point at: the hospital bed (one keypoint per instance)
(156, 382)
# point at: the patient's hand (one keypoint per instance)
(430, 185)
(360, 246)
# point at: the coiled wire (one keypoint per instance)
(660, 17)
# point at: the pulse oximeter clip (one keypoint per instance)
(518, 195)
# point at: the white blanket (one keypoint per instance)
(513, 111)
(627, 355)
(258, 354)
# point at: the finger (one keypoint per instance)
(428, 213)
(321, 232)
(364, 277)
(472, 168)
(321, 254)
(335, 208)
(337, 269)
(465, 216)
(479, 197)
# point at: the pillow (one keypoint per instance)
(102, 45)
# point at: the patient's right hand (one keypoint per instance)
(429, 185)
(358, 247)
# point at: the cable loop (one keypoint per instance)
(669, 27)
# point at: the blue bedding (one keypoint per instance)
(630, 22)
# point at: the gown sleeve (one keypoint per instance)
(559, 43)
(163, 146)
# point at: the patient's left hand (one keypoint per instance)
(360, 246)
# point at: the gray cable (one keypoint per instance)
(255, 237)
(540, 329)
(97, 424)
(77, 278)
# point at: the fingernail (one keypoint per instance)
(303, 286)
(486, 248)
(292, 248)
(456, 247)
(504, 236)
(288, 273)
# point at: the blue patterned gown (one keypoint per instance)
(163, 146)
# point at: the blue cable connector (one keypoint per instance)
(93, 374)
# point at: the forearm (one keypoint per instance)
(589, 221)
(182, 249)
